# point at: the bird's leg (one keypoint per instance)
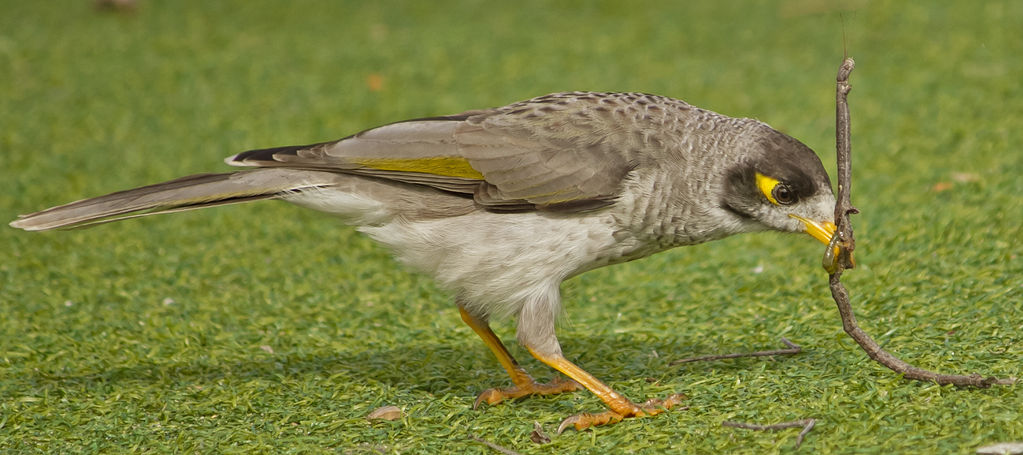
(524, 383)
(620, 407)
(536, 333)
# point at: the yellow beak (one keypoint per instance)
(825, 231)
(820, 230)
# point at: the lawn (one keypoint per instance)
(268, 328)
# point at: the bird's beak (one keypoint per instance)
(820, 230)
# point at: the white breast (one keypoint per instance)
(497, 261)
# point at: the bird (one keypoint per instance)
(500, 206)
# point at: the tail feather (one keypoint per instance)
(186, 193)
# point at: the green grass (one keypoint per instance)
(266, 328)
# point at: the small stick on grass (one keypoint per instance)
(504, 450)
(838, 256)
(806, 424)
(793, 349)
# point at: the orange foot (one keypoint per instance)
(651, 407)
(495, 396)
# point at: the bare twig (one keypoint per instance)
(504, 450)
(805, 424)
(837, 262)
(793, 349)
(806, 430)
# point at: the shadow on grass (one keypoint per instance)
(457, 368)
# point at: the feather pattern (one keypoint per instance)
(185, 193)
(562, 152)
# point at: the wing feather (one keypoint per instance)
(557, 152)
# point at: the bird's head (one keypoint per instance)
(781, 185)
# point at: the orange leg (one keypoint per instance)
(524, 383)
(620, 407)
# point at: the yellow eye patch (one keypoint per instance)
(766, 185)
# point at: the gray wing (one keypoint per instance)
(559, 152)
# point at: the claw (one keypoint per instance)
(495, 395)
(491, 396)
(666, 403)
(651, 407)
(586, 420)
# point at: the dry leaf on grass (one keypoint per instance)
(385, 413)
(1002, 448)
(538, 435)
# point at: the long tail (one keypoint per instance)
(186, 193)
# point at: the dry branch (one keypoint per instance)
(806, 424)
(501, 449)
(836, 262)
(793, 349)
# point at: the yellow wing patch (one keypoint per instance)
(766, 185)
(446, 166)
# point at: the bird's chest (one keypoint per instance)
(667, 210)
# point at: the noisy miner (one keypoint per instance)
(501, 205)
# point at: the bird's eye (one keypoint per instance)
(776, 191)
(783, 194)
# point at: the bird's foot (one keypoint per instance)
(653, 406)
(495, 395)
